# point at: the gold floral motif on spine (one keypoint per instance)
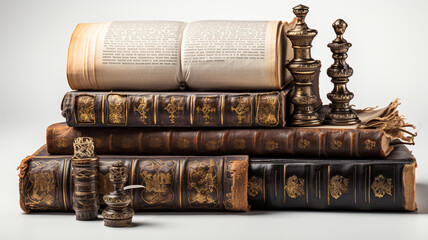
(238, 143)
(212, 145)
(267, 113)
(158, 178)
(271, 145)
(85, 109)
(295, 187)
(303, 143)
(207, 109)
(41, 187)
(369, 144)
(104, 184)
(142, 109)
(338, 186)
(173, 109)
(117, 110)
(242, 110)
(336, 144)
(255, 186)
(183, 143)
(155, 142)
(202, 183)
(382, 186)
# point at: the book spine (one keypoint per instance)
(127, 109)
(329, 185)
(304, 142)
(171, 183)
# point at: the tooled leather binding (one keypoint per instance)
(311, 142)
(369, 184)
(172, 182)
(175, 109)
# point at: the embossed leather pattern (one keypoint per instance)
(311, 142)
(369, 184)
(175, 109)
(172, 182)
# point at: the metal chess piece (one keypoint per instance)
(340, 112)
(85, 174)
(118, 213)
(304, 69)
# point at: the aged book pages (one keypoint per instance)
(169, 55)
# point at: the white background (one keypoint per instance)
(388, 55)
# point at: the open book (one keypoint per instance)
(170, 55)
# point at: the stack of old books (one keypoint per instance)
(198, 114)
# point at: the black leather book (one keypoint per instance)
(371, 184)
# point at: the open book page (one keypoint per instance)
(231, 55)
(126, 56)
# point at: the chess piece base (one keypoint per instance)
(341, 122)
(86, 216)
(117, 222)
(341, 118)
(305, 123)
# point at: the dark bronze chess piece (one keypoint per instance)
(340, 111)
(85, 174)
(118, 213)
(304, 69)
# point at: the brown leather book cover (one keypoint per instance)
(206, 183)
(368, 184)
(290, 141)
(175, 109)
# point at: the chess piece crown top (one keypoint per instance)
(301, 27)
(83, 147)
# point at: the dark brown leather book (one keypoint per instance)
(310, 142)
(172, 182)
(175, 109)
(369, 184)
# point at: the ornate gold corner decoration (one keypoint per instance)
(143, 109)
(85, 109)
(267, 110)
(295, 187)
(255, 186)
(155, 142)
(173, 109)
(242, 109)
(41, 185)
(183, 143)
(212, 145)
(336, 144)
(238, 143)
(158, 178)
(207, 109)
(303, 143)
(271, 145)
(202, 183)
(338, 186)
(382, 186)
(116, 108)
(369, 144)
